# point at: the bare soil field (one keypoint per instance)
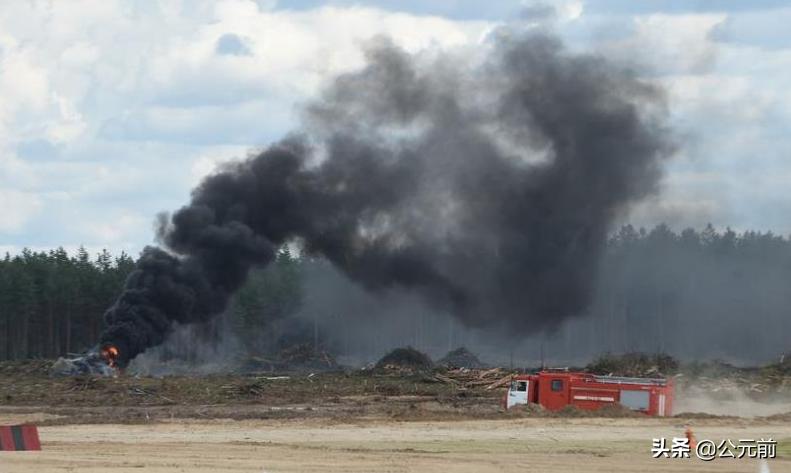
(381, 445)
(351, 422)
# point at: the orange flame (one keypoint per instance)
(110, 354)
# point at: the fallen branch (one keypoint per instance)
(501, 382)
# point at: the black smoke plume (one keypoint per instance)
(486, 184)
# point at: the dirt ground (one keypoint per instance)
(366, 445)
(356, 422)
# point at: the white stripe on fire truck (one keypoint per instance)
(594, 398)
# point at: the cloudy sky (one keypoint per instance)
(110, 111)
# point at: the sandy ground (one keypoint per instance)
(320, 445)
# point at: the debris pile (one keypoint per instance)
(713, 369)
(33, 367)
(721, 379)
(404, 360)
(634, 364)
(725, 386)
(250, 387)
(471, 378)
(306, 356)
(298, 357)
(781, 368)
(461, 358)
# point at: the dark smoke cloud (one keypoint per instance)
(485, 185)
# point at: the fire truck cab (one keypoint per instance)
(555, 390)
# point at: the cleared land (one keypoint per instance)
(557, 445)
(343, 422)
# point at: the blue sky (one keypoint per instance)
(111, 111)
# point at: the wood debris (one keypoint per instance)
(469, 378)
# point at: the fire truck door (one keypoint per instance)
(557, 395)
(517, 393)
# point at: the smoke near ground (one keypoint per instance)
(696, 295)
(484, 185)
(192, 349)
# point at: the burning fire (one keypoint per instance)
(110, 354)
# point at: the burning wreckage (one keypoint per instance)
(95, 362)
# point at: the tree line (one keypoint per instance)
(700, 293)
(52, 303)
(694, 294)
(703, 294)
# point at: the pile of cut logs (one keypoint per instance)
(470, 378)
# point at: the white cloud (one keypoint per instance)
(18, 209)
(114, 231)
(209, 159)
(767, 28)
(669, 44)
(112, 110)
(571, 10)
(729, 103)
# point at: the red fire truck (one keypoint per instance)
(557, 389)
